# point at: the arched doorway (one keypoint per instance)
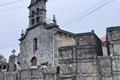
(34, 61)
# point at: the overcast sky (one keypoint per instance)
(14, 18)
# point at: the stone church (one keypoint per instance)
(49, 53)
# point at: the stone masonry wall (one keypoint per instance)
(31, 74)
(1, 75)
(78, 62)
(113, 44)
(113, 40)
(88, 39)
(82, 63)
(64, 40)
(44, 47)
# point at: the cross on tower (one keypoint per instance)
(13, 51)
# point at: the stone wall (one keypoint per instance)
(86, 39)
(82, 63)
(105, 68)
(64, 40)
(113, 40)
(78, 62)
(1, 75)
(113, 45)
(10, 76)
(44, 52)
(105, 52)
(30, 74)
(90, 38)
(116, 67)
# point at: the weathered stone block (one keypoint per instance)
(68, 68)
(87, 69)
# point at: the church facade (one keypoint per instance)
(49, 53)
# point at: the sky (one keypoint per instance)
(14, 18)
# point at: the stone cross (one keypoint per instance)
(13, 51)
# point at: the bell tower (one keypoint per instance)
(37, 12)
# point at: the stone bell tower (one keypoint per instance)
(37, 12)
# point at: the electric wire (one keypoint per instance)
(9, 3)
(82, 17)
(5, 4)
(68, 21)
(10, 9)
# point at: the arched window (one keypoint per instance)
(33, 13)
(35, 45)
(37, 11)
(33, 22)
(0, 66)
(34, 61)
(37, 19)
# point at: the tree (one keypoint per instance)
(2, 59)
